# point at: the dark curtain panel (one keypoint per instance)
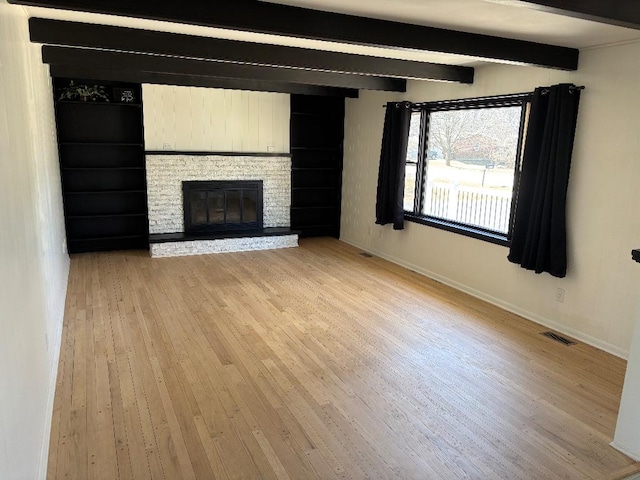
(539, 231)
(395, 139)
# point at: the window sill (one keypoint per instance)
(465, 230)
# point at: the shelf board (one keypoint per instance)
(331, 225)
(99, 239)
(105, 104)
(325, 115)
(314, 169)
(317, 148)
(103, 144)
(107, 215)
(104, 191)
(102, 168)
(325, 207)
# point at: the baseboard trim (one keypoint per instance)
(56, 343)
(633, 455)
(594, 342)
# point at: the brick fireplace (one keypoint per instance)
(166, 177)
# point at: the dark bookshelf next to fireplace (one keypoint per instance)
(102, 165)
(317, 132)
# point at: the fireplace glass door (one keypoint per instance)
(222, 205)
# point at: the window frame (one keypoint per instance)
(425, 109)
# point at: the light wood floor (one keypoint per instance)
(316, 362)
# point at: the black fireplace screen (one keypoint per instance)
(222, 205)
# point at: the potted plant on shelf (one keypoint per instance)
(83, 93)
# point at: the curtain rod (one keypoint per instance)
(509, 96)
(408, 104)
(572, 88)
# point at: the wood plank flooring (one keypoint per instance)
(315, 362)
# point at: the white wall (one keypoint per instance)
(601, 300)
(215, 120)
(33, 266)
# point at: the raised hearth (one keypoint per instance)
(180, 244)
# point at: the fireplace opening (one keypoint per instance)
(225, 205)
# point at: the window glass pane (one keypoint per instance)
(470, 164)
(412, 161)
(409, 186)
(414, 138)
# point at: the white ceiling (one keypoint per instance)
(505, 18)
(494, 17)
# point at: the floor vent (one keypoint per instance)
(559, 338)
(366, 255)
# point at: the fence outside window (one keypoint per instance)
(471, 206)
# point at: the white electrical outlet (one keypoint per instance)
(271, 149)
(167, 146)
(560, 295)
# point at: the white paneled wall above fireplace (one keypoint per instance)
(215, 120)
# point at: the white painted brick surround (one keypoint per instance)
(165, 174)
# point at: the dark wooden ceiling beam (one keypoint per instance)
(255, 16)
(75, 34)
(105, 74)
(623, 13)
(182, 66)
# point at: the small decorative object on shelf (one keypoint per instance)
(83, 93)
(124, 95)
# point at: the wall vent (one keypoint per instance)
(559, 338)
(366, 255)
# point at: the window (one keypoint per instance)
(463, 163)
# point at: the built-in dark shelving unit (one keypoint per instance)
(317, 132)
(102, 165)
